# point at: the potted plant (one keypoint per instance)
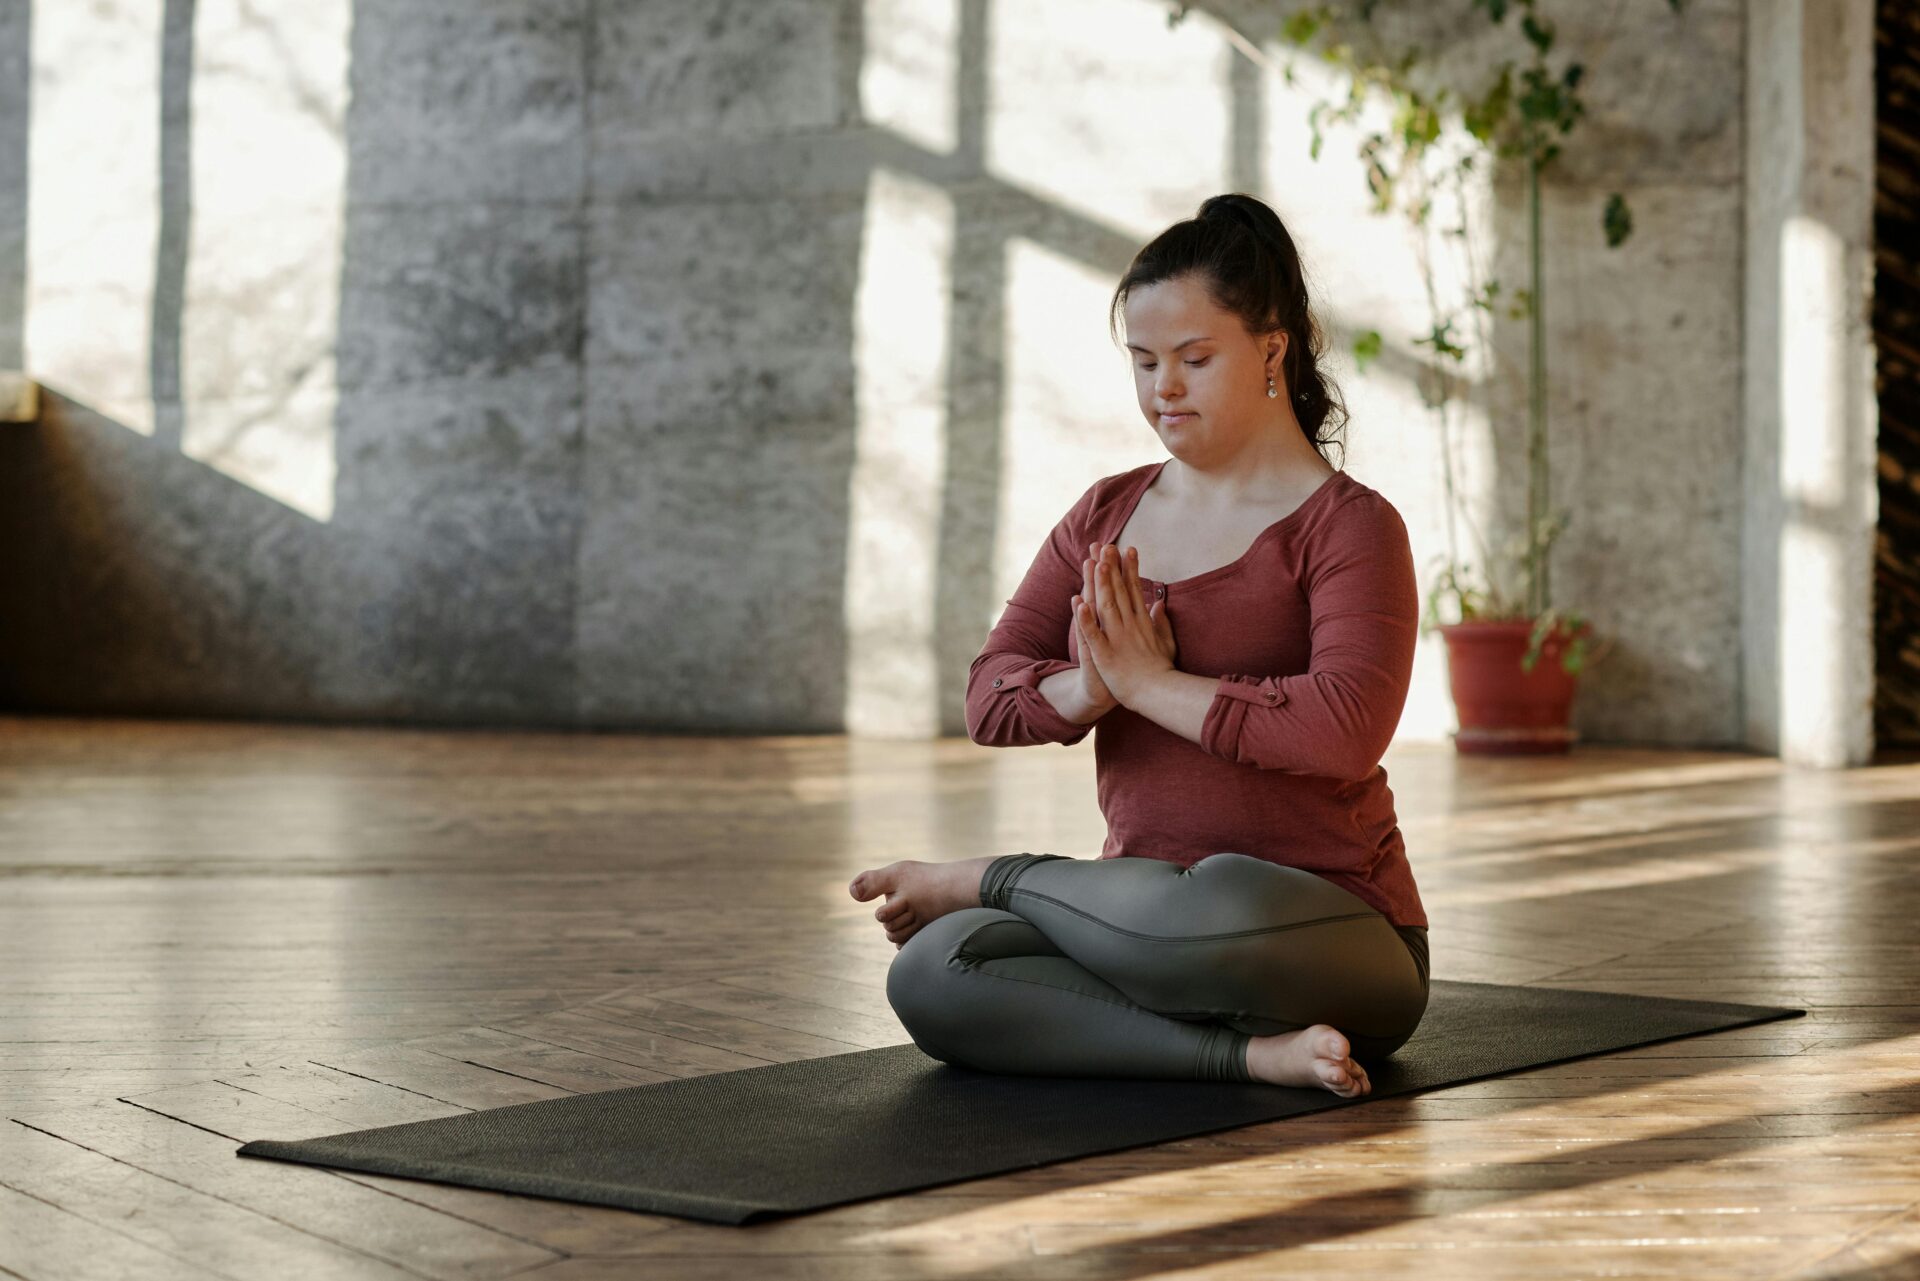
(1508, 700)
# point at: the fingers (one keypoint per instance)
(1097, 597)
(1110, 583)
(1118, 600)
(1085, 598)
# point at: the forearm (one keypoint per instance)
(1062, 689)
(1175, 700)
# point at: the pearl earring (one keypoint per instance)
(1271, 392)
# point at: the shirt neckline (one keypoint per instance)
(1218, 571)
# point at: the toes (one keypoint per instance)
(891, 908)
(869, 883)
(1344, 1076)
(1330, 1044)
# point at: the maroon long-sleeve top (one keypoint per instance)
(1311, 633)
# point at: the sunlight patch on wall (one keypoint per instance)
(1364, 272)
(258, 114)
(909, 70)
(93, 204)
(263, 284)
(901, 353)
(1069, 414)
(1097, 107)
(1824, 584)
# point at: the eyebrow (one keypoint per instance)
(1188, 343)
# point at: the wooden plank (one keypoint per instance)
(355, 1101)
(557, 1065)
(333, 969)
(727, 1039)
(413, 1238)
(845, 1027)
(43, 1241)
(566, 1226)
(439, 1077)
(211, 1232)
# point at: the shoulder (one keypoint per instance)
(1356, 507)
(1357, 530)
(1105, 496)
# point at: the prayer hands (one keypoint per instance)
(1127, 642)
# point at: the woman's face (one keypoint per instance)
(1217, 385)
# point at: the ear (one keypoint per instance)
(1277, 350)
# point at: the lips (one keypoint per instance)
(1174, 418)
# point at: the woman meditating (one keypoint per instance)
(1252, 915)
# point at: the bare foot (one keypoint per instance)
(919, 892)
(1316, 1055)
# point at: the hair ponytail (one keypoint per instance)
(1239, 249)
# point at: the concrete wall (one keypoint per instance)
(1811, 500)
(719, 366)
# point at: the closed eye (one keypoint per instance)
(1203, 360)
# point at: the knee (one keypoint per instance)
(1370, 1048)
(919, 980)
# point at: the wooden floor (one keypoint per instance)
(212, 932)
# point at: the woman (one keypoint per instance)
(1252, 916)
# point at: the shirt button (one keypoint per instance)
(1268, 694)
(996, 682)
(1159, 591)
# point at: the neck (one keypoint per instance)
(1273, 463)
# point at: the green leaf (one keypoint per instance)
(1366, 349)
(1540, 37)
(1300, 27)
(1617, 221)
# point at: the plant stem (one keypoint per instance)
(1537, 587)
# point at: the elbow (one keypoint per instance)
(986, 722)
(1360, 763)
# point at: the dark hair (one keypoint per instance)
(1237, 248)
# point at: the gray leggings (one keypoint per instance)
(1138, 967)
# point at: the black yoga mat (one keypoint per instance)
(735, 1147)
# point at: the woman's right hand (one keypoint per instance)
(1092, 688)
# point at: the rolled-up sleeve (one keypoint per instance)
(1030, 643)
(1338, 717)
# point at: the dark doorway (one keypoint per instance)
(1896, 333)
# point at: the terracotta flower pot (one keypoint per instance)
(1503, 710)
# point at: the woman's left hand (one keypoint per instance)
(1129, 643)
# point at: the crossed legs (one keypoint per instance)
(1141, 967)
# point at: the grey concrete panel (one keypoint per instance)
(1644, 415)
(673, 68)
(464, 100)
(16, 116)
(712, 570)
(720, 393)
(459, 290)
(141, 582)
(1662, 89)
(457, 518)
(729, 309)
(441, 592)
